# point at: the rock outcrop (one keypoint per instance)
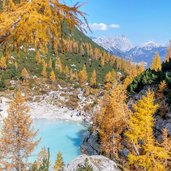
(163, 123)
(97, 162)
(90, 144)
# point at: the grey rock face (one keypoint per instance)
(168, 115)
(161, 123)
(168, 127)
(97, 162)
(124, 152)
(90, 144)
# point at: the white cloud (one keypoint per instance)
(114, 26)
(102, 26)
(98, 26)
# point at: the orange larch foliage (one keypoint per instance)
(52, 76)
(66, 71)
(16, 65)
(93, 79)
(145, 153)
(50, 63)
(37, 57)
(82, 76)
(82, 51)
(58, 65)
(44, 72)
(37, 23)
(108, 81)
(24, 74)
(3, 63)
(168, 55)
(140, 68)
(111, 120)
(71, 75)
(17, 136)
(156, 63)
(102, 62)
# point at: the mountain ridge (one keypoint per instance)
(121, 46)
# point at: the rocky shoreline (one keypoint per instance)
(55, 105)
(43, 110)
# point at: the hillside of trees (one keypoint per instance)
(50, 49)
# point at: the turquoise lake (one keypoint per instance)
(63, 136)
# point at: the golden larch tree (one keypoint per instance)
(90, 50)
(156, 63)
(107, 57)
(3, 64)
(66, 71)
(44, 72)
(24, 74)
(108, 81)
(111, 120)
(52, 76)
(113, 76)
(102, 62)
(76, 75)
(75, 47)
(130, 69)
(128, 80)
(50, 63)
(82, 51)
(34, 166)
(37, 57)
(17, 136)
(58, 65)
(71, 75)
(59, 164)
(96, 54)
(145, 154)
(16, 65)
(37, 23)
(140, 68)
(82, 76)
(112, 60)
(108, 77)
(93, 81)
(168, 55)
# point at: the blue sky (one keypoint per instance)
(139, 20)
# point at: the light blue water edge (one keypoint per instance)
(58, 135)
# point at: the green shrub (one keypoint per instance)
(2, 85)
(166, 66)
(11, 88)
(168, 79)
(148, 77)
(86, 166)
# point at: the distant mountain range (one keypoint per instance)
(121, 46)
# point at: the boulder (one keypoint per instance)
(97, 162)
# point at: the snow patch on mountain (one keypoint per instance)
(150, 45)
(121, 43)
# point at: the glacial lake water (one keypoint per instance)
(63, 136)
